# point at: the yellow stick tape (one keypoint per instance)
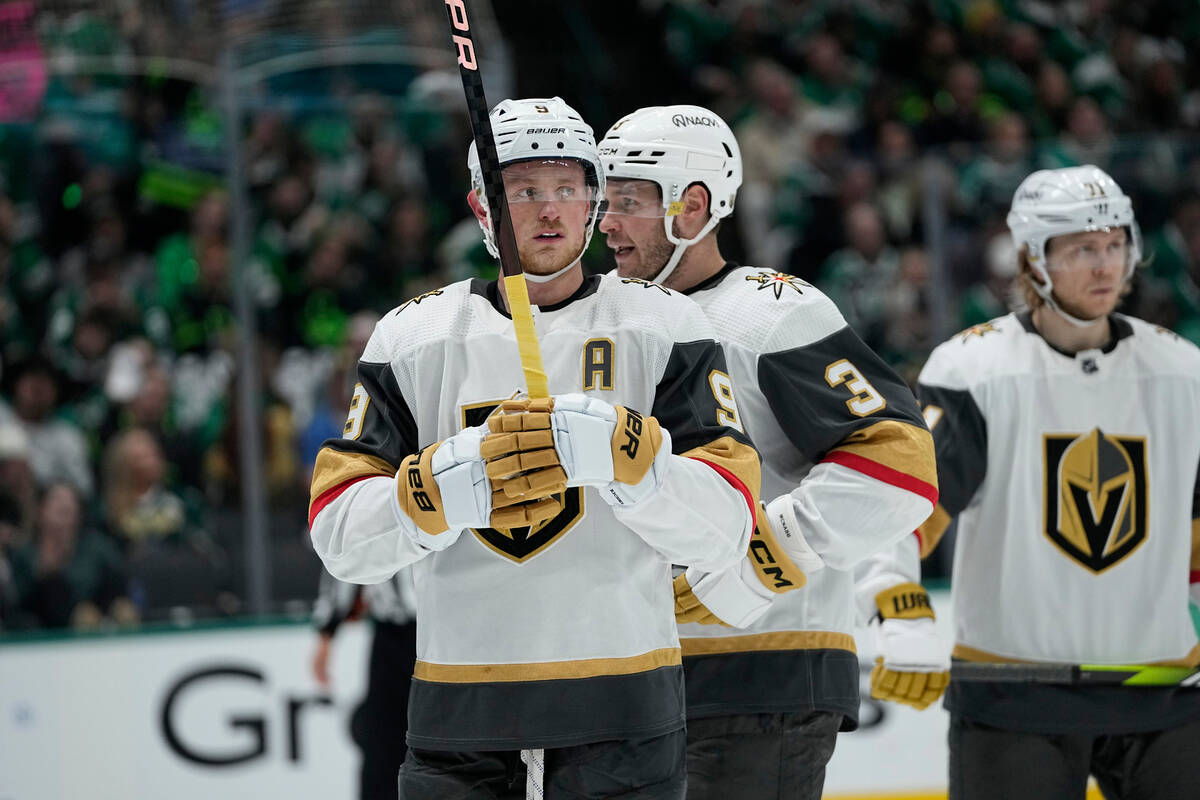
(527, 343)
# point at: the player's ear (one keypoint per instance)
(695, 210)
(476, 206)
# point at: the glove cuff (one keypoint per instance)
(770, 561)
(418, 492)
(904, 601)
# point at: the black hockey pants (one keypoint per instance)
(992, 764)
(649, 769)
(762, 756)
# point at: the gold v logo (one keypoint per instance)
(1095, 496)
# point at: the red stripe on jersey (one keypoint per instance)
(920, 542)
(1195, 576)
(329, 495)
(874, 469)
(736, 483)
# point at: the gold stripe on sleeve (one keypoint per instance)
(931, 530)
(898, 445)
(739, 459)
(778, 640)
(335, 467)
(546, 670)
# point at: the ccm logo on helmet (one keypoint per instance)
(683, 120)
(458, 18)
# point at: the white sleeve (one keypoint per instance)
(845, 515)
(362, 536)
(697, 518)
(899, 562)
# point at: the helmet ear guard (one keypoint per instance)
(676, 147)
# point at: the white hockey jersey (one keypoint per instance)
(842, 440)
(563, 634)
(1075, 482)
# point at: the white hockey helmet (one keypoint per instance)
(676, 146)
(1055, 202)
(539, 129)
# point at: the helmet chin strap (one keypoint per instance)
(529, 276)
(1045, 291)
(681, 245)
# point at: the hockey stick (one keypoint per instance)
(510, 263)
(489, 165)
(1077, 674)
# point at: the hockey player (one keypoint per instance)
(544, 599)
(1067, 447)
(847, 469)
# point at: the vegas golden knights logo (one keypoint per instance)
(520, 544)
(1095, 504)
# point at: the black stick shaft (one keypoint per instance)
(481, 128)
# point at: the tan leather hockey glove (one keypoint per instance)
(913, 666)
(739, 595)
(539, 447)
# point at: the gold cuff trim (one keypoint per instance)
(334, 467)
(547, 670)
(904, 601)
(901, 446)
(931, 530)
(740, 459)
(779, 640)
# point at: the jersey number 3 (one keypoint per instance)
(867, 399)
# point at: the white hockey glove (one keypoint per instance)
(740, 594)
(444, 489)
(913, 666)
(616, 449)
(781, 518)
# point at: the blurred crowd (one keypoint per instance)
(119, 471)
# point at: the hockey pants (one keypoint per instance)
(992, 764)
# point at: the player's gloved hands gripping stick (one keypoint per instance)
(539, 447)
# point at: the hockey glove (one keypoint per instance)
(522, 463)
(742, 593)
(616, 449)
(444, 489)
(913, 666)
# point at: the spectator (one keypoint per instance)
(859, 276)
(957, 117)
(71, 576)
(10, 527)
(139, 509)
(17, 482)
(987, 183)
(1000, 293)
(58, 448)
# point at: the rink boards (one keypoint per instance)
(233, 712)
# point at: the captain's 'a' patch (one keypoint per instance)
(1095, 497)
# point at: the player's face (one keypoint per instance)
(1088, 270)
(633, 228)
(549, 202)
